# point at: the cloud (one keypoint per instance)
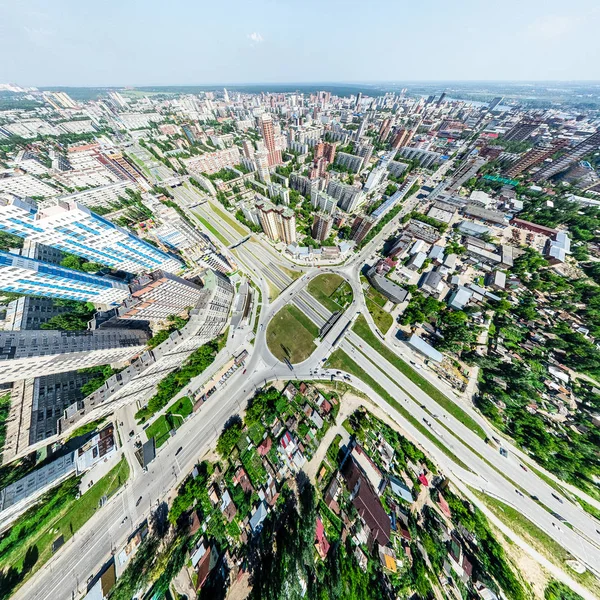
(39, 35)
(255, 38)
(552, 27)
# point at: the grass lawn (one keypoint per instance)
(28, 543)
(373, 294)
(540, 540)
(361, 327)
(159, 430)
(340, 360)
(183, 407)
(172, 419)
(331, 290)
(382, 319)
(291, 273)
(212, 230)
(291, 334)
(234, 224)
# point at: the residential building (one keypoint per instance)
(33, 277)
(261, 158)
(348, 197)
(322, 226)
(213, 162)
(268, 134)
(522, 130)
(360, 228)
(278, 223)
(104, 196)
(25, 354)
(157, 295)
(25, 186)
(465, 172)
(72, 227)
(350, 161)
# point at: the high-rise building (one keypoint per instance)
(262, 165)
(248, 149)
(384, 130)
(534, 157)
(72, 227)
(321, 226)
(590, 144)
(278, 222)
(442, 97)
(360, 228)
(358, 99)
(268, 133)
(33, 277)
(522, 130)
(400, 138)
(25, 354)
(348, 196)
(159, 294)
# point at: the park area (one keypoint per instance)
(291, 335)
(172, 419)
(331, 290)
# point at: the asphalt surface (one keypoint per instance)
(65, 575)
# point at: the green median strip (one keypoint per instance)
(361, 328)
(212, 230)
(231, 222)
(340, 360)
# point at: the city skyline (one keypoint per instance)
(265, 43)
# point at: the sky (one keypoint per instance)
(195, 42)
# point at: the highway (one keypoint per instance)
(65, 575)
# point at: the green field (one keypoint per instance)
(291, 335)
(340, 360)
(229, 220)
(212, 230)
(172, 419)
(331, 290)
(361, 327)
(382, 319)
(28, 543)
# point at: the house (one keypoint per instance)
(321, 544)
(416, 261)
(228, 507)
(264, 447)
(287, 443)
(258, 517)
(367, 504)
(387, 557)
(241, 478)
(331, 494)
(400, 488)
(431, 283)
(460, 297)
(290, 391)
(316, 419)
(368, 467)
(205, 563)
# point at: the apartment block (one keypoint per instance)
(32, 277)
(72, 227)
(25, 354)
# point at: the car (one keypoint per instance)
(244, 371)
(519, 493)
(503, 452)
(131, 433)
(534, 498)
(138, 501)
(523, 467)
(179, 450)
(557, 498)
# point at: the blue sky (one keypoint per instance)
(178, 42)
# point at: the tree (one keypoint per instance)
(230, 436)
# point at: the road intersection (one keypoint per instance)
(65, 575)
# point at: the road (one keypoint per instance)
(65, 574)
